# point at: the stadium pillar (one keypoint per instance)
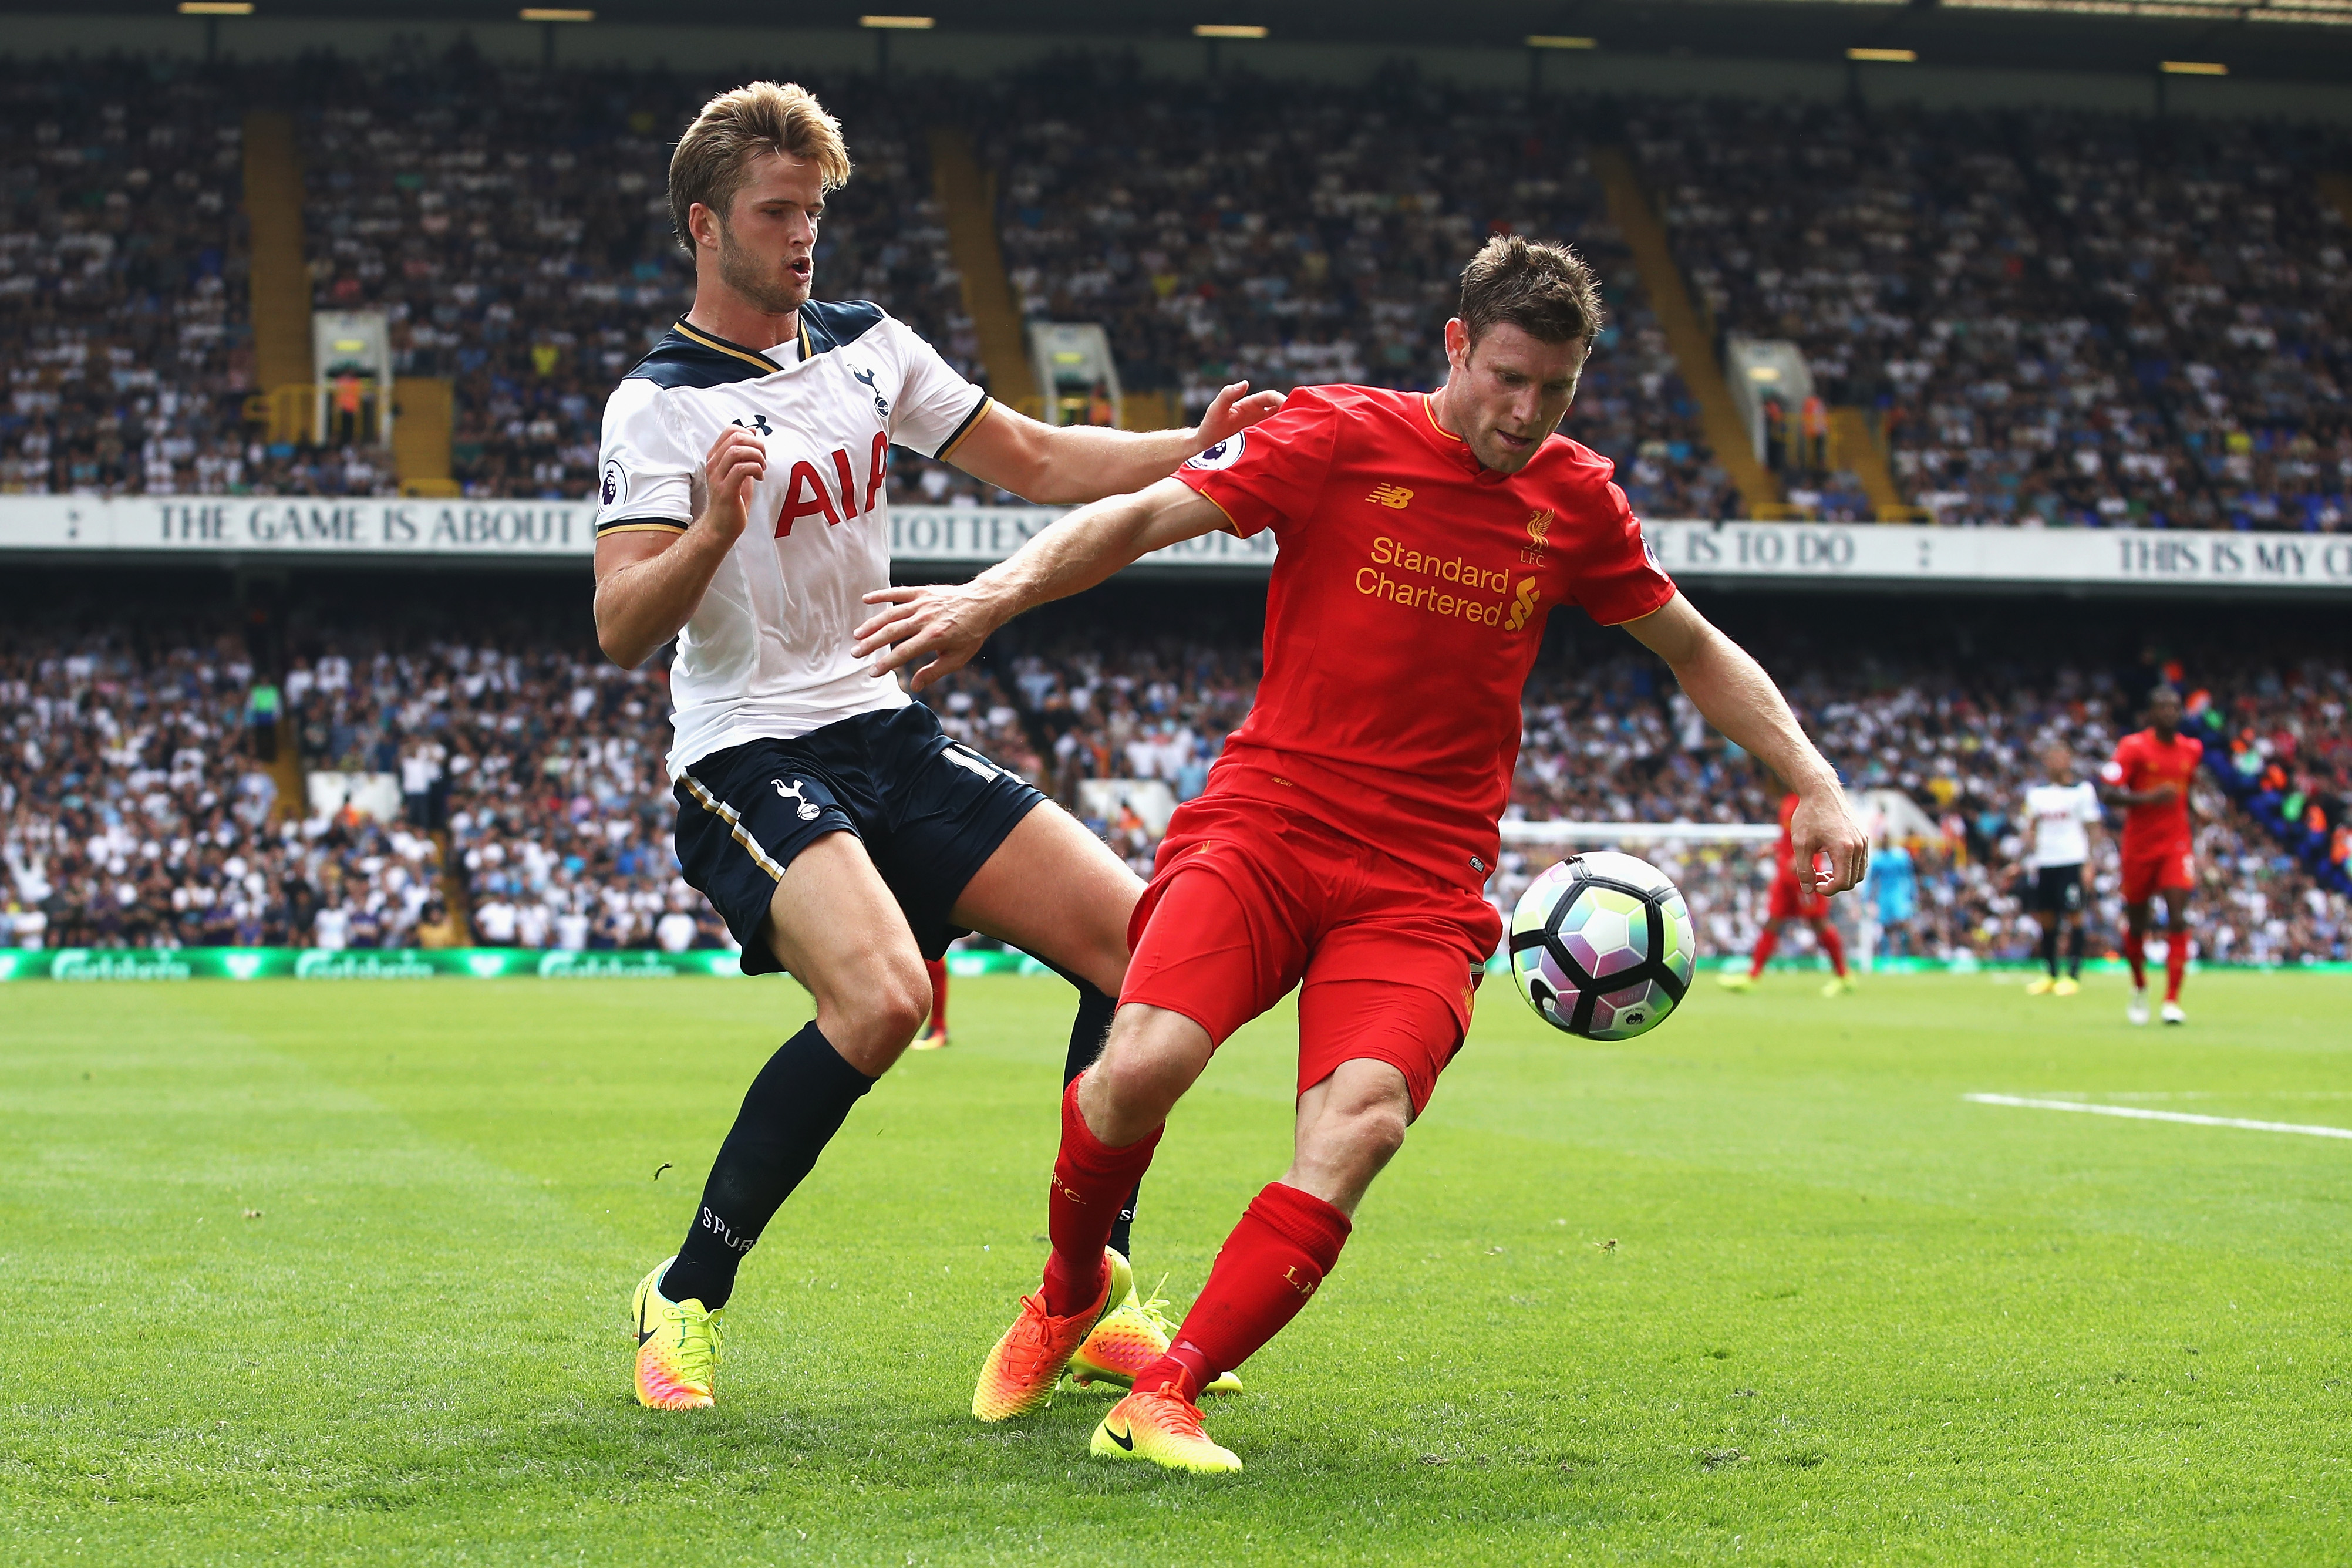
(1686, 335)
(967, 195)
(1854, 447)
(2337, 190)
(280, 279)
(423, 419)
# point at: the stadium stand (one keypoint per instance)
(122, 298)
(2077, 318)
(2056, 319)
(522, 782)
(1315, 234)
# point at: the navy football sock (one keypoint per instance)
(792, 1110)
(1088, 1030)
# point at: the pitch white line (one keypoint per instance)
(2137, 1115)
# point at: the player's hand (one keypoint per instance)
(738, 461)
(2163, 795)
(1830, 844)
(1235, 408)
(948, 622)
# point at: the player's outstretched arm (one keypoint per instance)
(650, 585)
(1065, 464)
(947, 623)
(1739, 699)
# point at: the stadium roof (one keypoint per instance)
(2305, 39)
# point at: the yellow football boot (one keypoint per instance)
(2040, 986)
(1164, 1428)
(1736, 981)
(1838, 984)
(2066, 987)
(678, 1347)
(1131, 1336)
(1022, 1368)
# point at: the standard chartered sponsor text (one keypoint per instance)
(1429, 597)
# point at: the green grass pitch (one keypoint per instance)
(301, 1272)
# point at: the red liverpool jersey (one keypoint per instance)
(1784, 853)
(1408, 603)
(2143, 762)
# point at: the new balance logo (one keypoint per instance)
(1395, 498)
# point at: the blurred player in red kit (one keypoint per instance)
(1794, 900)
(2149, 779)
(1346, 835)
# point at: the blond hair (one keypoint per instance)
(714, 157)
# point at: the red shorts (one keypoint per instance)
(2169, 870)
(1251, 898)
(1791, 900)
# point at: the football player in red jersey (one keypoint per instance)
(1347, 830)
(2149, 778)
(1795, 899)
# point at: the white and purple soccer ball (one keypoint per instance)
(1602, 946)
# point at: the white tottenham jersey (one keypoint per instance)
(767, 654)
(2058, 813)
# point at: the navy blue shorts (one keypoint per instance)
(930, 810)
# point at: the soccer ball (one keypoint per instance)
(1601, 946)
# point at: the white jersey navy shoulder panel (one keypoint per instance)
(2059, 812)
(767, 656)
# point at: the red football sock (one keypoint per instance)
(2176, 963)
(1764, 945)
(939, 971)
(1091, 1181)
(1834, 944)
(1274, 1260)
(2136, 955)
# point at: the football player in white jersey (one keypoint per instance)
(2060, 813)
(840, 833)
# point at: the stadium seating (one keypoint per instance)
(134, 817)
(1315, 234)
(2077, 318)
(123, 297)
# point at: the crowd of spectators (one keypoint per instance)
(509, 787)
(2054, 318)
(122, 278)
(515, 225)
(1315, 234)
(2061, 319)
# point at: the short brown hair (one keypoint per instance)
(1545, 290)
(713, 158)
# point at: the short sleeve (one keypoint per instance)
(645, 480)
(2086, 803)
(1614, 573)
(936, 408)
(1272, 473)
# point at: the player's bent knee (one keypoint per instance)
(870, 1017)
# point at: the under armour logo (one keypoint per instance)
(758, 422)
(880, 407)
(808, 807)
